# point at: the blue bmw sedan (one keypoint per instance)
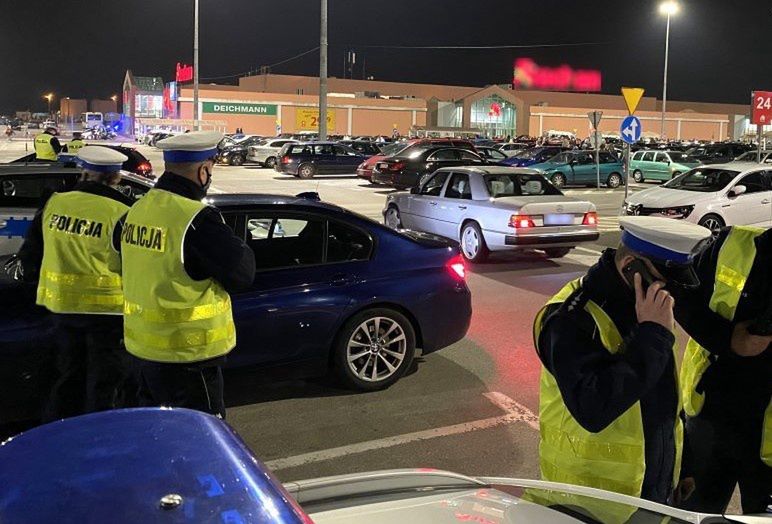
(334, 291)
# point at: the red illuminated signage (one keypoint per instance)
(184, 73)
(761, 108)
(530, 75)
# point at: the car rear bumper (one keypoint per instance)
(448, 319)
(551, 239)
(367, 174)
(378, 177)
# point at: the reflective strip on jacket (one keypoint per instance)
(81, 271)
(168, 316)
(75, 145)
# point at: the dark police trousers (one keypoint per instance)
(727, 453)
(91, 366)
(195, 385)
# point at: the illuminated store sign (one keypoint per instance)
(530, 75)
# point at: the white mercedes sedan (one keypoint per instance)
(494, 208)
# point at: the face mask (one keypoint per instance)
(208, 183)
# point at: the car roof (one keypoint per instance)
(267, 199)
(493, 170)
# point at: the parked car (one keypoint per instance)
(23, 188)
(180, 465)
(406, 169)
(511, 149)
(719, 153)
(365, 169)
(752, 156)
(334, 291)
(235, 154)
(160, 135)
(265, 151)
(363, 147)
(491, 154)
(534, 155)
(713, 196)
(660, 165)
(137, 163)
(308, 159)
(494, 209)
(578, 168)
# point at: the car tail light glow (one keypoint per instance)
(456, 268)
(144, 168)
(521, 221)
(395, 166)
(590, 219)
(285, 159)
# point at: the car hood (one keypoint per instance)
(659, 197)
(539, 205)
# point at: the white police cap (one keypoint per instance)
(195, 146)
(101, 159)
(669, 244)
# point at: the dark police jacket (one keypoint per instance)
(597, 386)
(737, 389)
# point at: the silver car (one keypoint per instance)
(494, 208)
(266, 151)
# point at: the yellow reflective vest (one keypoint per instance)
(612, 459)
(75, 145)
(43, 148)
(735, 260)
(81, 270)
(168, 316)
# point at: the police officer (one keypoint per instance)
(726, 375)
(71, 251)
(47, 146)
(180, 263)
(609, 402)
(75, 145)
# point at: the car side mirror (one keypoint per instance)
(414, 190)
(737, 190)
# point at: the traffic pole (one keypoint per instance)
(758, 142)
(597, 155)
(195, 66)
(323, 74)
(627, 170)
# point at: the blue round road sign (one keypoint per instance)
(630, 130)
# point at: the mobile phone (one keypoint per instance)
(637, 266)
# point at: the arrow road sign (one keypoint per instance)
(595, 117)
(630, 130)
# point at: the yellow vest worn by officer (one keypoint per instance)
(75, 145)
(168, 316)
(43, 148)
(735, 260)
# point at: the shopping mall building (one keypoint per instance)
(270, 104)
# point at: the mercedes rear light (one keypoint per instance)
(456, 268)
(521, 221)
(395, 166)
(590, 219)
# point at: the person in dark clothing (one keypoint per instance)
(602, 384)
(66, 249)
(724, 433)
(178, 318)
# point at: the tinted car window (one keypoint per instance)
(648, 157)
(459, 187)
(345, 243)
(512, 184)
(298, 149)
(638, 155)
(468, 155)
(607, 158)
(753, 183)
(433, 186)
(705, 180)
(286, 241)
(444, 154)
(26, 190)
(324, 149)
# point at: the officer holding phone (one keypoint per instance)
(726, 375)
(609, 397)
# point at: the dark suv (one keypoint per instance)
(309, 159)
(718, 153)
(406, 169)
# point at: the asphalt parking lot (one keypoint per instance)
(471, 408)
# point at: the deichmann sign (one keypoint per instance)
(239, 109)
(529, 75)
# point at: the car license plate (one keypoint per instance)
(558, 220)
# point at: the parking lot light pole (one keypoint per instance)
(49, 97)
(323, 74)
(195, 66)
(668, 9)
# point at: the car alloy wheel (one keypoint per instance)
(638, 176)
(237, 160)
(270, 162)
(392, 218)
(558, 180)
(614, 181)
(712, 222)
(306, 171)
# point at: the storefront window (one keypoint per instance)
(494, 116)
(149, 106)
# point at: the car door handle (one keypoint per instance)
(765, 201)
(432, 203)
(341, 280)
(462, 207)
(3, 223)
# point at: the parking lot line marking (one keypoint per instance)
(514, 412)
(586, 250)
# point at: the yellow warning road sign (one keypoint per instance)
(632, 96)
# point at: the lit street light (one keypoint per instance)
(668, 9)
(49, 97)
(114, 98)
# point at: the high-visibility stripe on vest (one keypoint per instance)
(734, 264)
(168, 316)
(81, 271)
(43, 148)
(613, 458)
(75, 145)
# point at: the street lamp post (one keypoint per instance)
(668, 9)
(49, 97)
(323, 74)
(195, 66)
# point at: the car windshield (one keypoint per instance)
(704, 180)
(393, 149)
(514, 184)
(528, 154)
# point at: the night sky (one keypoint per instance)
(720, 49)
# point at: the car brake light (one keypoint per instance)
(144, 167)
(521, 221)
(590, 219)
(285, 159)
(395, 166)
(456, 267)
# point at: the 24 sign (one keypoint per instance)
(761, 108)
